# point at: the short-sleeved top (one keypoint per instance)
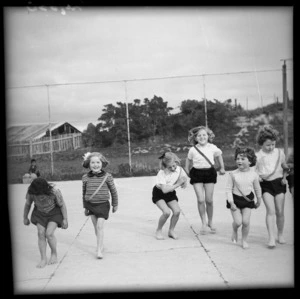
(209, 150)
(246, 182)
(165, 177)
(266, 163)
(45, 203)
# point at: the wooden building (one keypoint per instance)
(35, 139)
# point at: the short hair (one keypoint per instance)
(194, 131)
(40, 186)
(167, 158)
(247, 152)
(86, 162)
(266, 132)
(32, 160)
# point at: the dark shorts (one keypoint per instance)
(157, 195)
(100, 210)
(273, 187)
(241, 202)
(203, 175)
(290, 179)
(55, 215)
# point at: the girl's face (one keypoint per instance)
(95, 164)
(202, 137)
(242, 162)
(171, 166)
(268, 146)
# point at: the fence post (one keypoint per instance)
(30, 148)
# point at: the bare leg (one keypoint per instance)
(42, 245)
(173, 205)
(237, 222)
(199, 190)
(246, 212)
(161, 204)
(270, 218)
(209, 192)
(100, 237)
(52, 242)
(279, 208)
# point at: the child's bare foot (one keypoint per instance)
(203, 230)
(234, 237)
(42, 264)
(53, 259)
(172, 235)
(281, 240)
(99, 254)
(213, 229)
(271, 244)
(245, 245)
(159, 235)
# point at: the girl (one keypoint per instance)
(97, 185)
(240, 184)
(169, 177)
(203, 175)
(49, 213)
(270, 166)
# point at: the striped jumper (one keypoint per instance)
(90, 183)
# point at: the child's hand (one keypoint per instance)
(233, 206)
(260, 179)
(86, 212)
(283, 181)
(183, 185)
(257, 204)
(222, 171)
(26, 221)
(114, 209)
(64, 224)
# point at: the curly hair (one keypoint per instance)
(247, 152)
(266, 132)
(194, 131)
(167, 158)
(40, 186)
(86, 162)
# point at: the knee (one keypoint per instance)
(246, 223)
(49, 235)
(166, 214)
(238, 223)
(176, 213)
(209, 202)
(42, 235)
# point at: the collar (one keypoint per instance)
(99, 174)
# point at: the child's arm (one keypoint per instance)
(27, 207)
(114, 194)
(257, 190)
(61, 203)
(221, 162)
(169, 188)
(229, 196)
(25, 214)
(188, 165)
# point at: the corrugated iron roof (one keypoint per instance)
(24, 133)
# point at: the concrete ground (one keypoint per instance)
(134, 261)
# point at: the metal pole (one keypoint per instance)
(128, 129)
(285, 109)
(50, 134)
(205, 105)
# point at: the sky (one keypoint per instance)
(66, 63)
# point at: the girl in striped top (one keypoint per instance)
(96, 202)
(241, 182)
